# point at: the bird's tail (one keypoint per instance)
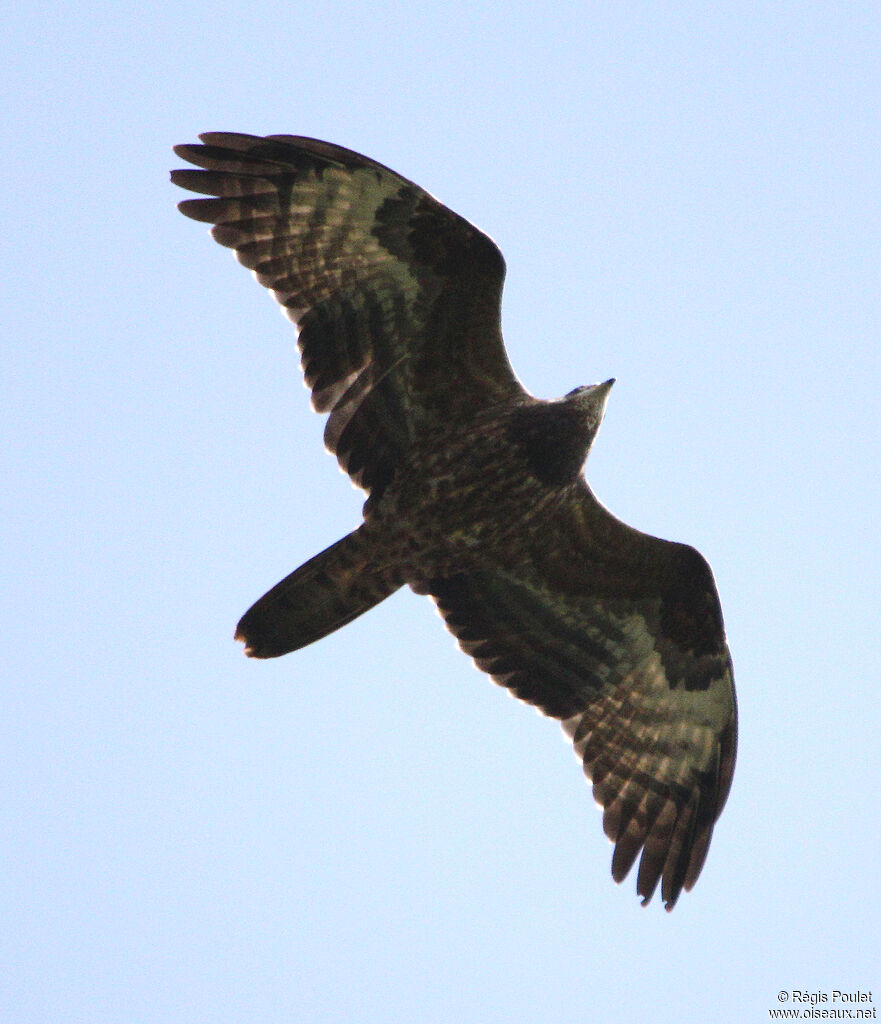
(325, 593)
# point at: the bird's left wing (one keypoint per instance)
(619, 635)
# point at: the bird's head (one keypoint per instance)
(556, 436)
(589, 402)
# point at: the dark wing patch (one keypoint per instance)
(396, 298)
(618, 635)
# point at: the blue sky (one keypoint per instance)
(687, 196)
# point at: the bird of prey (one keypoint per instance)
(476, 490)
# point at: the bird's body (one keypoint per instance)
(476, 490)
(467, 487)
(458, 498)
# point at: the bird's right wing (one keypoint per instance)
(396, 298)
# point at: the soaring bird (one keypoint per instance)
(476, 490)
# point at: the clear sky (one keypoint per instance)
(687, 196)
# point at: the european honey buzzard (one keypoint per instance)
(476, 491)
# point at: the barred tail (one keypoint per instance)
(328, 591)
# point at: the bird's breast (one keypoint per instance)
(463, 493)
